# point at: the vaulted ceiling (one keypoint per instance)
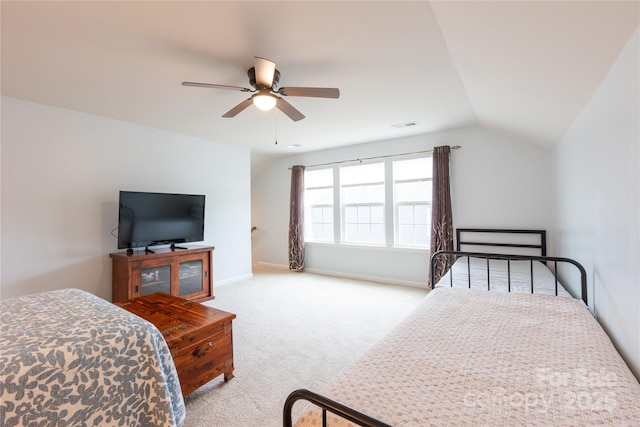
(525, 68)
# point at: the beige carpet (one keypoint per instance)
(293, 330)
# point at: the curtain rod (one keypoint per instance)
(453, 147)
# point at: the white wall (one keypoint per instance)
(497, 181)
(61, 174)
(597, 198)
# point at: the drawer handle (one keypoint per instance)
(202, 349)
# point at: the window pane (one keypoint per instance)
(377, 233)
(327, 232)
(363, 198)
(412, 169)
(422, 235)
(360, 174)
(318, 178)
(327, 213)
(377, 215)
(351, 215)
(316, 215)
(319, 196)
(412, 192)
(405, 214)
(318, 201)
(351, 232)
(350, 194)
(364, 214)
(363, 194)
(405, 233)
(422, 214)
(364, 232)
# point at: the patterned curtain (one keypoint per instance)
(296, 220)
(441, 216)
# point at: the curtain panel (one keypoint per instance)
(441, 216)
(296, 219)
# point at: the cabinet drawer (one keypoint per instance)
(186, 344)
(203, 360)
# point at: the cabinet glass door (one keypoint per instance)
(190, 277)
(156, 279)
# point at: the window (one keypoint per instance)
(387, 202)
(412, 189)
(318, 205)
(363, 203)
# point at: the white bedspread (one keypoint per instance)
(518, 271)
(469, 357)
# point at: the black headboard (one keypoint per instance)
(501, 238)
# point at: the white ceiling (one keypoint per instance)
(526, 68)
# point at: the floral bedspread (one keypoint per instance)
(68, 357)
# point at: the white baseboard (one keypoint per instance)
(231, 280)
(272, 266)
(384, 280)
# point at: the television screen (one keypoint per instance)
(149, 219)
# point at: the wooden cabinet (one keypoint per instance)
(200, 338)
(185, 273)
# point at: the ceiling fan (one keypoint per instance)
(264, 78)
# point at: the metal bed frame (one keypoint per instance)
(364, 420)
(541, 246)
(540, 234)
(509, 258)
(330, 405)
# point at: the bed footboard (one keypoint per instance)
(327, 404)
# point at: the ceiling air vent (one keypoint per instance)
(403, 125)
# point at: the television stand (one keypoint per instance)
(184, 273)
(149, 251)
(174, 247)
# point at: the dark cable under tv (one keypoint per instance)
(173, 247)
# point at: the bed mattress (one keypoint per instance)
(470, 357)
(68, 357)
(519, 273)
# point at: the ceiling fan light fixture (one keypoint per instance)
(264, 78)
(264, 101)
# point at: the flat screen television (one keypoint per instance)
(151, 219)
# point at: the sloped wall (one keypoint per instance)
(596, 168)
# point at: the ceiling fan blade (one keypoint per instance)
(238, 108)
(214, 86)
(317, 92)
(265, 70)
(289, 110)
